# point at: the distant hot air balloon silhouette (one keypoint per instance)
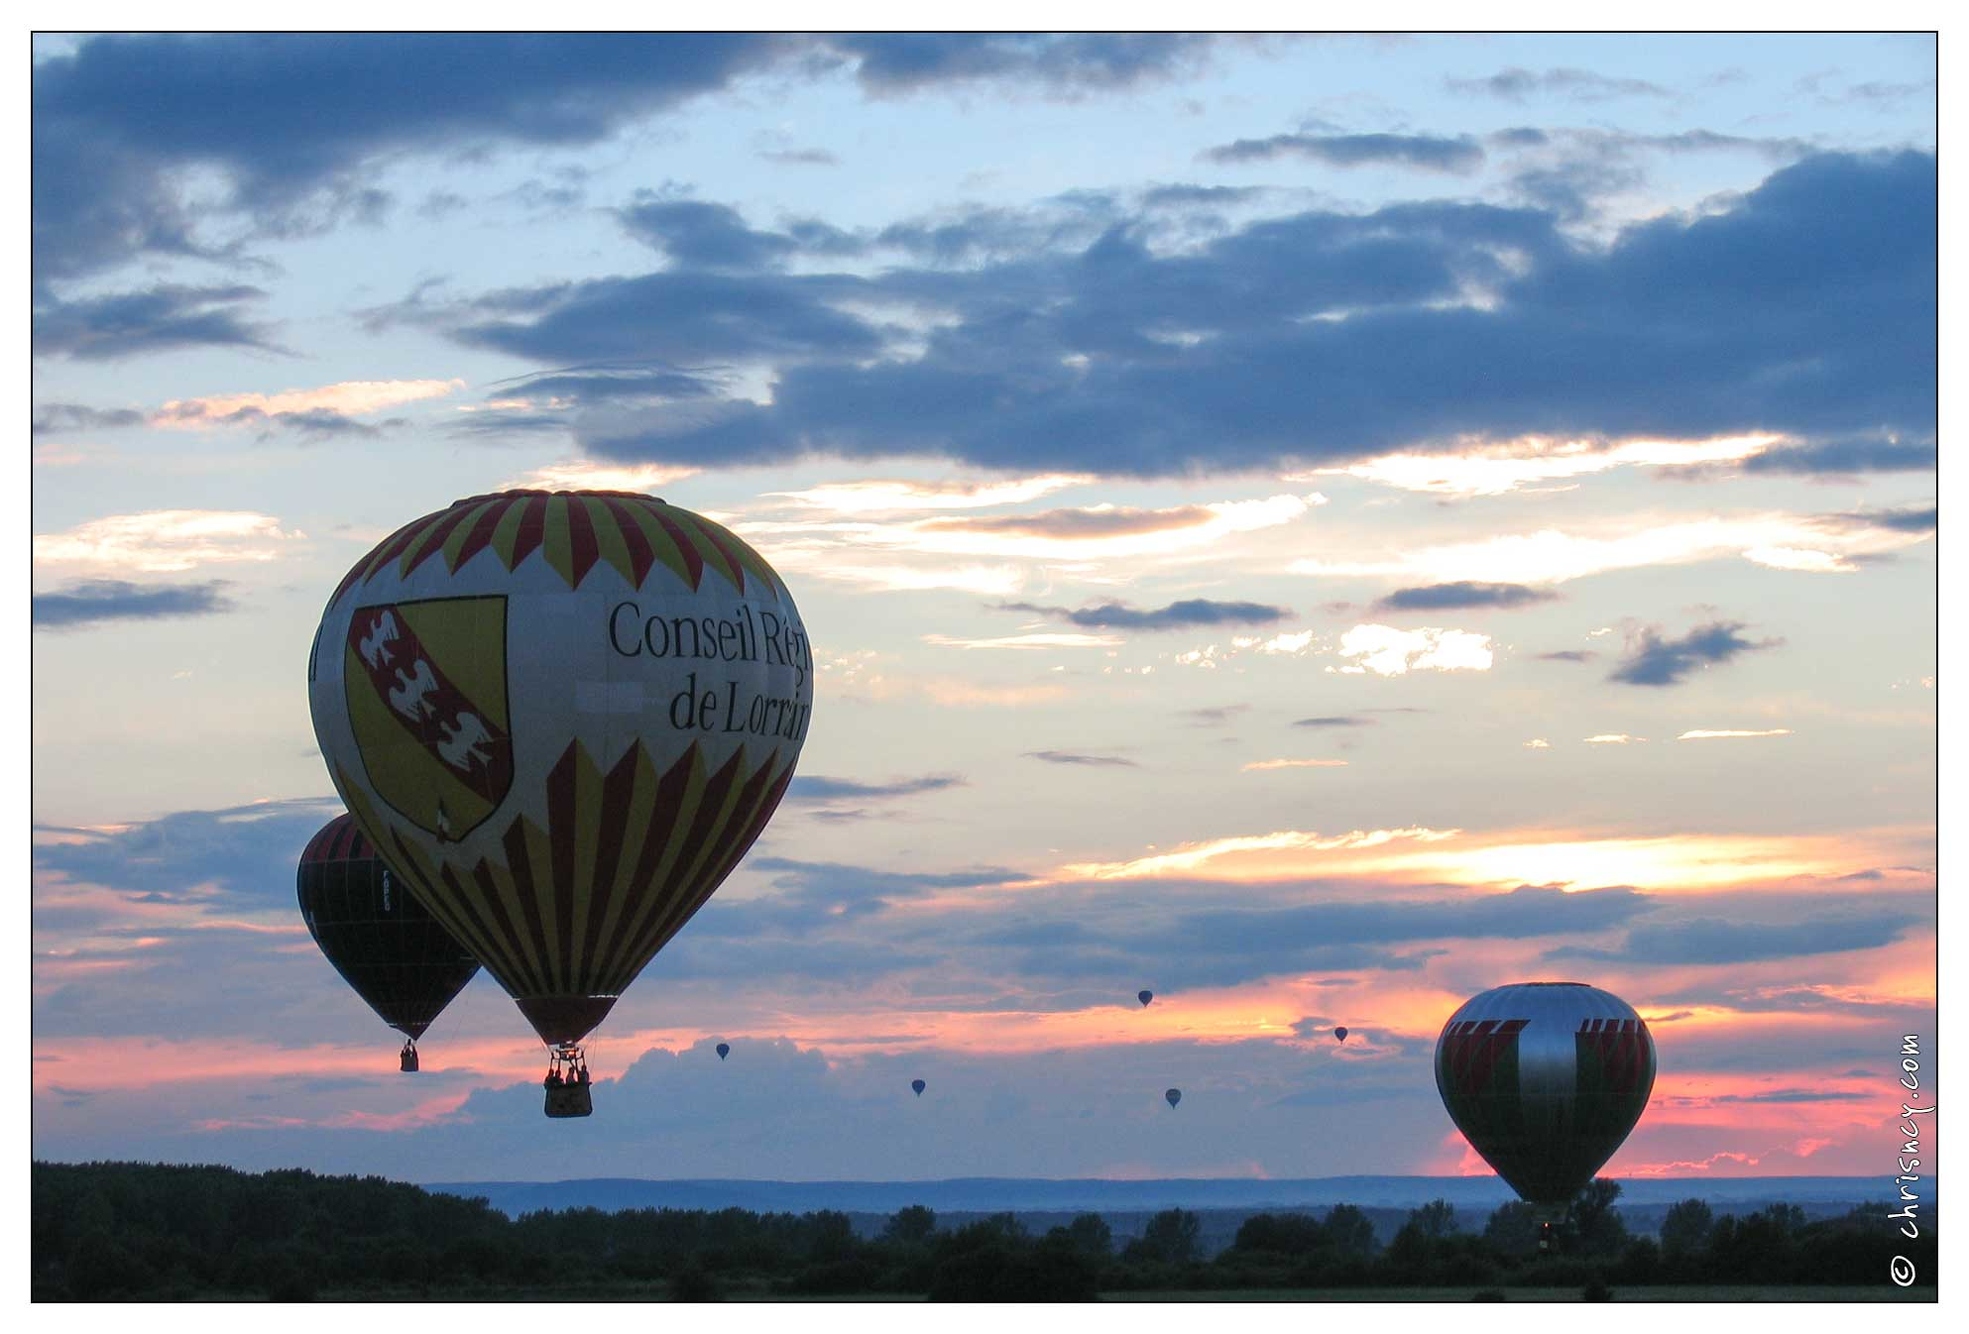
(563, 718)
(724, 1050)
(919, 1086)
(384, 943)
(1145, 996)
(1545, 1079)
(1340, 1033)
(1174, 1096)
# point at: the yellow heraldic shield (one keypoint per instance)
(426, 691)
(563, 718)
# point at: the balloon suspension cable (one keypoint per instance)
(567, 1063)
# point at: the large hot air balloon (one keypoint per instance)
(1545, 1079)
(724, 1050)
(1340, 1034)
(918, 1085)
(564, 718)
(384, 943)
(1173, 1096)
(1145, 997)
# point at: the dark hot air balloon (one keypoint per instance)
(724, 1050)
(563, 718)
(919, 1086)
(386, 945)
(1545, 1079)
(1340, 1034)
(1145, 996)
(1173, 1096)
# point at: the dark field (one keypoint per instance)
(659, 1292)
(1884, 1292)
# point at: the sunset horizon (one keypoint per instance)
(1314, 528)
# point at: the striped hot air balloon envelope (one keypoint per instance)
(1545, 1079)
(564, 717)
(386, 945)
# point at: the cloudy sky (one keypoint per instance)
(1313, 527)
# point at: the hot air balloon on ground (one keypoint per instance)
(1545, 1079)
(918, 1085)
(724, 1050)
(1340, 1034)
(563, 718)
(386, 945)
(1145, 997)
(1173, 1096)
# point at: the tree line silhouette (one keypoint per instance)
(136, 1231)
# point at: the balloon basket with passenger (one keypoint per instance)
(567, 1082)
(407, 1058)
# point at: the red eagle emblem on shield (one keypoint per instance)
(426, 688)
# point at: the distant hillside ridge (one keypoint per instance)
(992, 1194)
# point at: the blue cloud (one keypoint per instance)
(1655, 661)
(1092, 761)
(51, 418)
(823, 878)
(834, 922)
(800, 157)
(1515, 84)
(200, 936)
(775, 1110)
(1457, 596)
(246, 852)
(1525, 912)
(687, 317)
(610, 381)
(114, 120)
(1065, 63)
(308, 423)
(95, 601)
(167, 317)
(1216, 715)
(1797, 309)
(1845, 455)
(817, 788)
(1426, 152)
(1175, 616)
(1708, 941)
(120, 117)
(1783, 1000)
(1908, 519)
(701, 235)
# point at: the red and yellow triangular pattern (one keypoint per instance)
(573, 531)
(576, 909)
